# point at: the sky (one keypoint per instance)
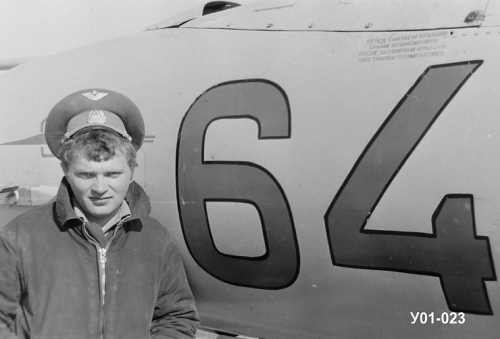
(30, 28)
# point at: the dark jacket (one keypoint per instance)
(53, 272)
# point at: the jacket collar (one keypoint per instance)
(136, 198)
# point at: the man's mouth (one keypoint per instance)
(99, 198)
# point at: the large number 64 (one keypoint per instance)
(452, 252)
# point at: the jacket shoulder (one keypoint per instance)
(30, 219)
(155, 226)
(159, 230)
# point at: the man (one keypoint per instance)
(93, 264)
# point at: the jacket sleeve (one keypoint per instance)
(9, 282)
(175, 314)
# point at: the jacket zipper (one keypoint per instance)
(102, 275)
(102, 266)
(102, 260)
(102, 271)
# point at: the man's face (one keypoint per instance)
(99, 187)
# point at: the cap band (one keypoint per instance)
(96, 119)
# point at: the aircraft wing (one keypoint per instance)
(27, 195)
(7, 188)
(6, 64)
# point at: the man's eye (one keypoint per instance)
(114, 174)
(85, 175)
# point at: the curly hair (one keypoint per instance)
(96, 145)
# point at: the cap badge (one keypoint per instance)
(96, 117)
(94, 95)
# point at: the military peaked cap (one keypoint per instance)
(94, 108)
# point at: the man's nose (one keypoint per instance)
(100, 185)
